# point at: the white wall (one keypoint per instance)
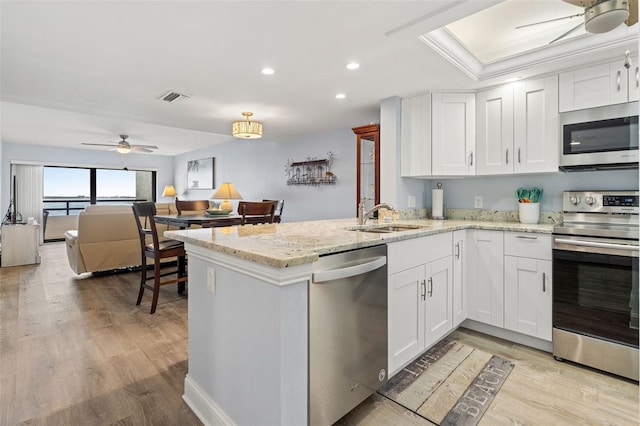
(257, 169)
(38, 154)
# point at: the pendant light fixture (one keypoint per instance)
(247, 129)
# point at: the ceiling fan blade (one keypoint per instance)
(567, 33)
(145, 146)
(139, 148)
(98, 144)
(550, 20)
(633, 13)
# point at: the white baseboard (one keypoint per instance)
(202, 406)
(509, 335)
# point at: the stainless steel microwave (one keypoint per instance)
(600, 138)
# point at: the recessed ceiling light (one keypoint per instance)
(353, 66)
(267, 71)
(341, 96)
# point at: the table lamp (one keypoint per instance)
(226, 192)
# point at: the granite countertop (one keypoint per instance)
(296, 243)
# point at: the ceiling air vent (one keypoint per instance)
(172, 96)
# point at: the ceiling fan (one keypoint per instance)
(600, 16)
(124, 147)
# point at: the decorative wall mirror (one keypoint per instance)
(368, 164)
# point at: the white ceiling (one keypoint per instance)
(87, 71)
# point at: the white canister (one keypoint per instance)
(529, 212)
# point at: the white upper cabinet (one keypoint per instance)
(599, 85)
(416, 136)
(453, 129)
(494, 135)
(517, 128)
(535, 125)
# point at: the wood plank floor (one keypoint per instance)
(75, 350)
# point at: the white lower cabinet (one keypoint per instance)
(527, 296)
(420, 290)
(498, 278)
(485, 284)
(459, 276)
(528, 284)
(438, 298)
(406, 316)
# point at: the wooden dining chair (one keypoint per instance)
(279, 207)
(157, 250)
(254, 212)
(191, 206)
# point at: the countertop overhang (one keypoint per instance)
(284, 245)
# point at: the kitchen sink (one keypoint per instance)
(384, 229)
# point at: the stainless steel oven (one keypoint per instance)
(595, 276)
(600, 138)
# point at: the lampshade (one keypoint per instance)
(226, 192)
(169, 191)
(247, 129)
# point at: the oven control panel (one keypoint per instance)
(624, 202)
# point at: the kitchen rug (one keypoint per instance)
(450, 384)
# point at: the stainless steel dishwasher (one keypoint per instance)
(347, 331)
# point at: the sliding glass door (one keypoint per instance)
(68, 190)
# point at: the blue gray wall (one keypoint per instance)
(257, 169)
(498, 192)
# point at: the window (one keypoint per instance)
(68, 190)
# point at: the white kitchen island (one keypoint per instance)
(248, 312)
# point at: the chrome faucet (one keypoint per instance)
(363, 216)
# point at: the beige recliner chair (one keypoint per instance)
(106, 238)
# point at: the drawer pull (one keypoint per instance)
(618, 81)
(458, 250)
(524, 237)
(423, 289)
(506, 156)
(430, 286)
(544, 282)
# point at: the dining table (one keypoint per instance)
(184, 221)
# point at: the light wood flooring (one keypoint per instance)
(76, 350)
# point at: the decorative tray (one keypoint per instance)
(217, 212)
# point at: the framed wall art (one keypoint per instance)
(200, 174)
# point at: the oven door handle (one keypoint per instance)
(597, 244)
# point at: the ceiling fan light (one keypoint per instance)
(606, 16)
(247, 129)
(123, 150)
